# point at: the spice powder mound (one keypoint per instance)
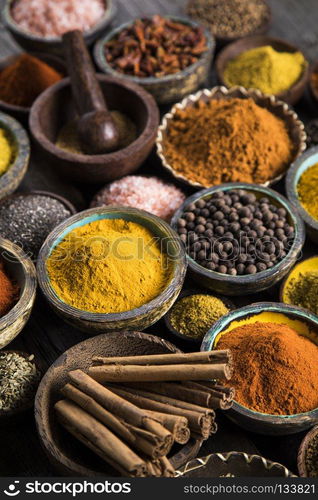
(227, 140)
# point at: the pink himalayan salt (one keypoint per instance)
(146, 193)
(52, 18)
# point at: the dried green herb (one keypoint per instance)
(311, 458)
(19, 379)
(303, 291)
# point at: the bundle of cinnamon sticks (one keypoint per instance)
(131, 410)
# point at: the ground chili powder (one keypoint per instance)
(276, 369)
(8, 291)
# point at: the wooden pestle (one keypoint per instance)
(96, 128)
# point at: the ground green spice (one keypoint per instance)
(194, 315)
(303, 291)
(311, 458)
(68, 138)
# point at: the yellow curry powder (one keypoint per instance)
(265, 69)
(308, 191)
(6, 152)
(108, 266)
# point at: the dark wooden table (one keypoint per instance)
(47, 336)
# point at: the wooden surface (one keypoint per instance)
(47, 336)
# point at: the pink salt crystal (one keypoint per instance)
(52, 18)
(146, 193)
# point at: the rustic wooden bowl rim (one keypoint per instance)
(152, 120)
(250, 310)
(250, 42)
(188, 293)
(198, 463)
(291, 188)
(29, 289)
(140, 217)
(107, 68)
(250, 278)
(51, 448)
(107, 16)
(301, 456)
(11, 108)
(30, 405)
(237, 92)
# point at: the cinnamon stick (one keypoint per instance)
(119, 406)
(211, 398)
(100, 439)
(198, 422)
(140, 439)
(177, 425)
(217, 357)
(166, 467)
(160, 373)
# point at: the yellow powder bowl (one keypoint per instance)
(136, 319)
(301, 321)
(305, 266)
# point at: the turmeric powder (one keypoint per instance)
(6, 152)
(227, 140)
(108, 266)
(308, 191)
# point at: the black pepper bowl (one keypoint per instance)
(21, 113)
(20, 269)
(35, 43)
(169, 88)
(19, 139)
(278, 108)
(252, 283)
(305, 161)
(308, 444)
(305, 324)
(139, 318)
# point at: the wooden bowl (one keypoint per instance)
(294, 93)
(280, 109)
(260, 30)
(68, 456)
(249, 283)
(312, 88)
(302, 452)
(21, 269)
(12, 178)
(11, 416)
(305, 161)
(34, 43)
(21, 113)
(233, 464)
(54, 107)
(310, 264)
(139, 318)
(300, 320)
(187, 293)
(169, 88)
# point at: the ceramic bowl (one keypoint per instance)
(237, 285)
(233, 464)
(305, 161)
(304, 266)
(139, 318)
(54, 107)
(294, 93)
(21, 269)
(260, 30)
(21, 113)
(35, 43)
(187, 293)
(303, 450)
(69, 457)
(12, 416)
(13, 177)
(168, 88)
(280, 109)
(300, 320)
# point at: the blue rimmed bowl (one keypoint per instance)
(305, 161)
(252, 283)
(19, 140)
(305, 324)
(169, 88)
(136, 319)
